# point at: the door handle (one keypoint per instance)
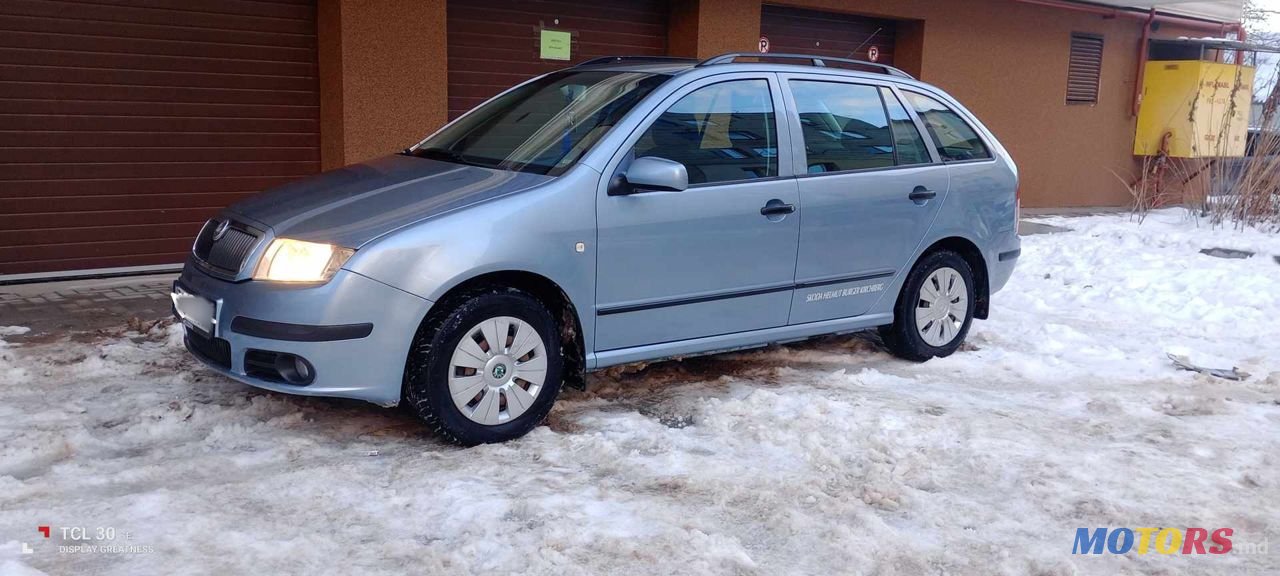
(920, 194)
(776, 207)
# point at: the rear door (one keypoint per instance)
(869, 186)
(708, 260)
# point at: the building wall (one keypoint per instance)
(383, 84)
(382, 76)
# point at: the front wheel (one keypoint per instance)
(487, 368)
(934, 311)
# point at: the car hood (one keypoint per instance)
(352, 205)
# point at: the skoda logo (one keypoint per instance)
(499, 371)
(221, 230)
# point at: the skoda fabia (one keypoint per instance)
(623, 210)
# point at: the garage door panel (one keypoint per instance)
(103, 220)
(175, 15)
(18, 172)
(156, 109)
(109, 74)
(151, 124)
(124, 124)
(12, 139)
(97, 234)
(833, 34)
(519, 21)
(85, 122)
(199, 44)
(127, 155)
(601, 14)
(53, 204)
(46, 266)
(147, 94)
(94, 59)
(493, 44)
(271, 9)
(123, 186)
(116, 37)
(100, 249)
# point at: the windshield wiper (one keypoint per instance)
(443, 154)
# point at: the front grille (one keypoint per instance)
(215, 350)
(228, 253)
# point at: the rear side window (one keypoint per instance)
(909, 145)
(721, 133)
(845, 126)
(956, 139)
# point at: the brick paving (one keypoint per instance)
(56, 308)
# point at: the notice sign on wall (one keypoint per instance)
(554, 45)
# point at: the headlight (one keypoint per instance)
(296, 261)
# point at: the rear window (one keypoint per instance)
(956, 139)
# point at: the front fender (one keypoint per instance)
(534, 231)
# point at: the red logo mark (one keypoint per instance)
(43, 530)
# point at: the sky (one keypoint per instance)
(1267, 63)
(1273, 19)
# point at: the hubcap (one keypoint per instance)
(497, 370)
(942, 307)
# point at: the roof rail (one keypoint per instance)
(624, 59)
(819, 61)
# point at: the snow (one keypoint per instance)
(1063, 411)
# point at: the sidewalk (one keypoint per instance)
(58, 308)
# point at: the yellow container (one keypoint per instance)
(1203, 106)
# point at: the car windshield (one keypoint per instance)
(543, 126)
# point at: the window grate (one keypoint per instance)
(1084, 70)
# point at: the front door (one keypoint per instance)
(870, 190)
(716, 258)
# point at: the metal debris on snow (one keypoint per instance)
(1184, 363)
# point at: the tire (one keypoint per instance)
(497, 412)
(941, 336)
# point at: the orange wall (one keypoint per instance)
(382, 76)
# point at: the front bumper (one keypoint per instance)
(354, 331)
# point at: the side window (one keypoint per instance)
(955, 138)
(906, 137)
(844, 126)
(721, 133)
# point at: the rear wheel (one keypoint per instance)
(487, 368)
(934, 311)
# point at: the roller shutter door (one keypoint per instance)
(124, 124)
(799, 31)
(494, 44)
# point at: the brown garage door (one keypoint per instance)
(125, 123)
(826, 33)
(494, 44)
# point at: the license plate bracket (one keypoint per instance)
(196, 312)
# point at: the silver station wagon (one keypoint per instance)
(627, 209)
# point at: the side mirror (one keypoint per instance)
(649, 174)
